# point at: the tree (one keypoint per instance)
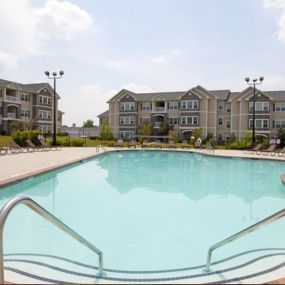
(145, 129)
(173, 135)
(197, 133)
(105, 132)
(164, 129)
(88, 124)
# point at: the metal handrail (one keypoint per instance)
(242, 233)
(9, 206)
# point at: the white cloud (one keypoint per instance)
(25, 29)
(7, 62)
(278, 4)
(138, 88)
(160, 60)
(62, 19)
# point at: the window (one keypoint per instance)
(127, 106)
(25, 113)
(259, 106)
(127, 134)
(44, 114)
(146, 106)
(25, 97)
(259, 123)
(220, 105)
(189, 120)
(278, 124)
(44, 129)
(45, 100)
(280, 107)
(127, 120)
(228, 107)
(228, 124)
(190, 104)
(173, 121)
(173, 105)
(1, 92)
(145, 120)
(220, 121)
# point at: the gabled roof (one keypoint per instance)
(104, 114)
(30, 88)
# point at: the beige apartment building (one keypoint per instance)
(32, 104)
(220, 112)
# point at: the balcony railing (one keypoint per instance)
(12, 115)
(159, 109)
(157, 124)
(12, 98)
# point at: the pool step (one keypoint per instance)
(255, 267)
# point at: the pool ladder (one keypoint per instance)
(242, 233)
(9, 206)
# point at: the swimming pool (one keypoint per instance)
(151, 210)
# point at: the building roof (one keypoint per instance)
(104, 114)
(30, 88)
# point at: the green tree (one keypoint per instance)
(105, 132)
(197, 133)
(88, 124)
(172, 134)
(164, 129)
(145, 129)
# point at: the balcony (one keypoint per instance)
(14, 99)
(157, 124)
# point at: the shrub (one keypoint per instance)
(21, 136)
(77, 142)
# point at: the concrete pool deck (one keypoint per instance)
(15, 167)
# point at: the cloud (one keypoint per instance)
(62, 20)
(138, 88)
(160, 60)
(27, 29)
(163, 59)
(278, 4)
(8, 62)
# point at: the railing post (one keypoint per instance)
(1, 256)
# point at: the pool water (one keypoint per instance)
(150, 210)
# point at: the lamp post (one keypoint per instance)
(253, 83)
(54, 76)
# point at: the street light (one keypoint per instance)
(54, 77)
(254, 83)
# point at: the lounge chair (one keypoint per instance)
(209, 148)
(47, 146)
(132, 143)
(145, 144)
(257, 149)
(155, 144)
(270, 150)
(120, 143)
(34, 147)
(185, 144)
(15, 148)
(171, 144)
(4, 150)
(281, 152)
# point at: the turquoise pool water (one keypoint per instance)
(149, 209)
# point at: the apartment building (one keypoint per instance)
(32, 104)
(220, 112)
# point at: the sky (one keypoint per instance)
(140, 45)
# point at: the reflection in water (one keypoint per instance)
(43, 186)
(194, 175)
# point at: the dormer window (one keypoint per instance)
(259, 106)
(189, 104)
(127, 106)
